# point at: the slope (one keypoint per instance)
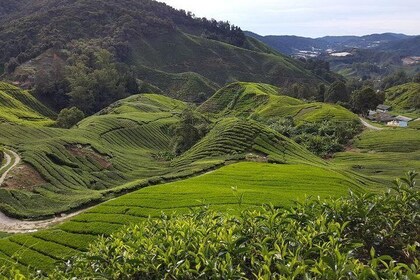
(156, 39)
(404, 97)
(232, 187)
(19, 106)
(262, 101)
(382, 155)
(118, 150)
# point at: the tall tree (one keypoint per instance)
(365, 99)
(337, 93)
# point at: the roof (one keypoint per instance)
(381, 117)
(383, 107)
(403, 119)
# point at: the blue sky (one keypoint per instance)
(311, 18)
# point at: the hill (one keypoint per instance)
(266, 102)
(127, 146)
(375, 154)
(294, 44)
(153, 40)
(20, 107)
(404, 97)
(257, 183)
(370, 56)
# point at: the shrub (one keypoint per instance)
(68, 117)
(364, 236)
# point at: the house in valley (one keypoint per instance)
(380, 117)
(383, 108)
(402, 121)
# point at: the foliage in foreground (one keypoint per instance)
(366, 236)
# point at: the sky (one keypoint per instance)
(311, 18)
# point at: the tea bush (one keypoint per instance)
(366, 236)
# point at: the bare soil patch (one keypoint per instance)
(23, 177)
(87, 152)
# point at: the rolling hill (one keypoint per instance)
(404, 97)
(266, 102)
(20, 107)
(119, 149)
(172, 50)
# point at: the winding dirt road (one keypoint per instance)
(9, 159)
(11, 225)
(368, 125)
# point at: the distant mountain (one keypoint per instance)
(370, 56)
(293, 44)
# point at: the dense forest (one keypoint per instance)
(52, 24)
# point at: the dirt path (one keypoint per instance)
(11, 225)
(16, 159)
(368, 125)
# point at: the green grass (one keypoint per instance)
(414, 124)
(382, 155)
(256, 183)
(404, 97)
(20, 107)
(115, 153)
(264, 101)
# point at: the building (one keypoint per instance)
(402, 121)
(381, 117)
(383, 108)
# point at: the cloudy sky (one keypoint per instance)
(311, 18)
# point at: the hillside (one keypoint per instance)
(266, 102)
(265, 183)
(171, 50)
(126, 146)
(375, 153)
(20, 107)
(371, 56)
(404, 97)
(293, 44)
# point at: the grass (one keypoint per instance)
(262, 101)
(404, 97)
(20, 107)
(230, 188)
(382, 155)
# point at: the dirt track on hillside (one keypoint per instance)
(11, 225)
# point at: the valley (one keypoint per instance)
(140, 141)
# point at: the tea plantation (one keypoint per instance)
(230, 188)
(382, 155)
(239, 163)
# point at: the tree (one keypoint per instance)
(51, 85)
(321, 92)
(96, 82)
(68, 117)
(191, 128)
(337, 92)
(365, 99)
(416, 78)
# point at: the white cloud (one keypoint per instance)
(311, 18)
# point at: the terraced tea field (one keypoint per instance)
(18, 106)
(382, 155)
(242, 162)
(256, 183)
(263, 101)
(115, 151)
